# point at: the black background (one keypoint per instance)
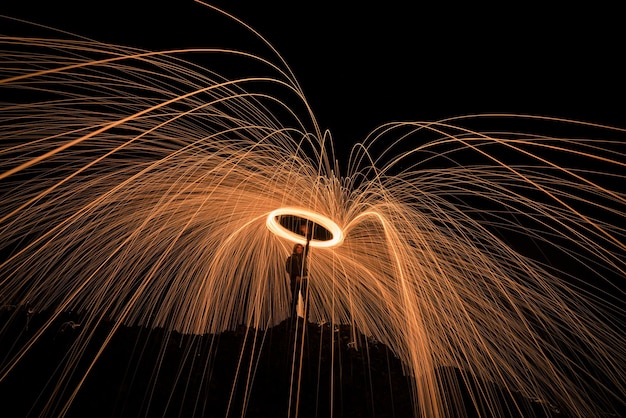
(364, 65)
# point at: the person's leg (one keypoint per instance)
(294, 299)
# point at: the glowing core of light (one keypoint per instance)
(281, 231)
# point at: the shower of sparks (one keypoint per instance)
(136, 186)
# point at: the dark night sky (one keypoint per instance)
(364, 65)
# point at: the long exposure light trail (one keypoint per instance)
(140, 188)
(335, 231)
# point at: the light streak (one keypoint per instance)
(136, 188)
(274, 226)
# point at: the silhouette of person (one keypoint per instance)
(297, 269)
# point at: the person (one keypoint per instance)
(297, 269)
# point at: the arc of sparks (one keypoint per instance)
(332, 227)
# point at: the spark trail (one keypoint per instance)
(136, 188)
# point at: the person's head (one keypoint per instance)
(298, 249)
(304, 228)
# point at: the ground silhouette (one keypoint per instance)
(152, 372)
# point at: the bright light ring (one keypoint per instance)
(281, 231)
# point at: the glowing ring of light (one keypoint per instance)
(281, 231)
